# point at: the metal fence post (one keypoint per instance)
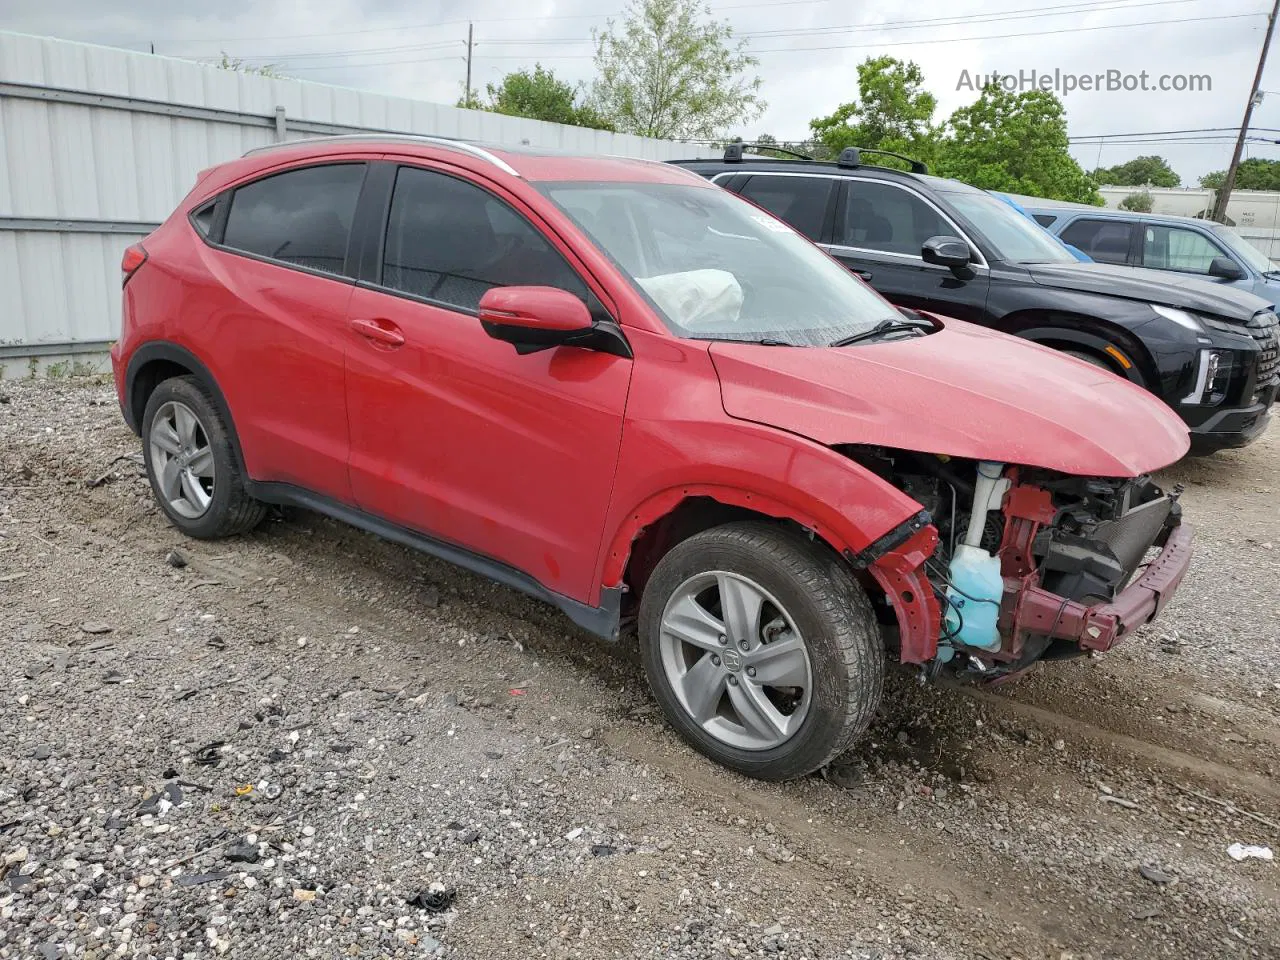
(281, 125)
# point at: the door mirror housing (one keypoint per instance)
(539, 318)
(1225, 268)
(949, 252)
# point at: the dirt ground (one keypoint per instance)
(385, 722)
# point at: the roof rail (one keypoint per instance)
(852, 157)
(461, 146)
(733, 152)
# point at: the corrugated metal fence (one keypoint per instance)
(97, 145)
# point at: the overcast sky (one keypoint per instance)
(808, 51)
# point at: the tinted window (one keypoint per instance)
(880, 216)
(801, 201)
(450, 241)
(203, 218)
(1044, 219)
(1175, 248)
(302, 217)
(1104, 240)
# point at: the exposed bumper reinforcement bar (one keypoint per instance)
(1101, 626)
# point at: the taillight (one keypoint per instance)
(133, 258)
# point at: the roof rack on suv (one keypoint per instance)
(852, 157)
(733, 152)
(461, 146)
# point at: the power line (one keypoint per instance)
(1084, 6)
(1158, 133)
(910, 43)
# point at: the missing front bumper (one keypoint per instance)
(1100, 626)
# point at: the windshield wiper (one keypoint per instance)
(881, 329)
(759, 341)
(1271, 274)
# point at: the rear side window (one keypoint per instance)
(302, 217)
(1044, 219)
(801, 201)
(1106, 241)
(450, 241)
(880, 216)
(1176, 248)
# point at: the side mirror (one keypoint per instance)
(949, 252)
(534, 318)
(1226, 268)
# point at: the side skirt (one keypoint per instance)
(603, 621)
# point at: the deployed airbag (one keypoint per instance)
(696, 298)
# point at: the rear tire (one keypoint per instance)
(192, 464)
(807, 682)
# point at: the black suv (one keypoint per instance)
(927, 243)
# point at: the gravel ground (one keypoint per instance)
(311, 742)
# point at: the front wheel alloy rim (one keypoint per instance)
(736, 661)
(182, 459)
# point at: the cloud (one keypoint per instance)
(418, 49)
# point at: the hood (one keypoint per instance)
(963, 391)
(1152, 286)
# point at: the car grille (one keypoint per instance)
(1265, 328)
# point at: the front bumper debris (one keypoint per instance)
(1101, 626)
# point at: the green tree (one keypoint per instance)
(1139, 202)
(1139, 172)
(670, 71)
(1253, 174)
(1016, 143)
(893, 112)
(240, 66)
(540, 95)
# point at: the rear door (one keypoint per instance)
(805, 201)
(1104, 239)
(273, 320)
(879, 228)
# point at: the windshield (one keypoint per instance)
(717, 268)
(1014, 237)
(1246, 251)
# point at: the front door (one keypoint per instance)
(879, 230)
(453, 433)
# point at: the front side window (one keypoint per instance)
(1106, 241)
(1175, 248)
(1245, 251)
(801, 201)
(302, 217)
(881, 216)
(716, 268)
(449, 241)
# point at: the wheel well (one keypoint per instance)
(1063, 330)
(149, 376)
(689, 517)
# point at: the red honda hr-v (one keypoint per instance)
(617, 387)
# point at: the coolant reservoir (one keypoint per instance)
(973, 599)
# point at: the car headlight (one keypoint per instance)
(1181, 317)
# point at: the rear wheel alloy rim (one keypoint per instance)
(182, 460)
(736, 661)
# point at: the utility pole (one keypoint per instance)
(470, 28)
(1229, 182)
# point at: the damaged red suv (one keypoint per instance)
(614, 386)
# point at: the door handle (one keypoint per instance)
(380, 331)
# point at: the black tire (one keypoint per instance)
(231, 510)
(1094, 360)
(832, 613)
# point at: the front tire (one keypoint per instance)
(192, 464)
(761, 649)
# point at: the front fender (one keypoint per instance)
(758, 468)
